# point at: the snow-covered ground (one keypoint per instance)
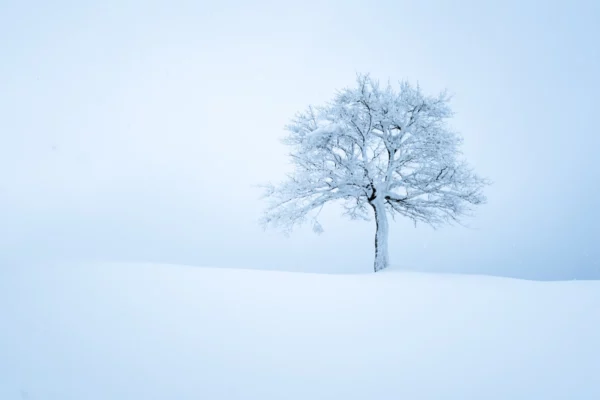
(110, 331)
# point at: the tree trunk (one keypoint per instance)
(381, 235)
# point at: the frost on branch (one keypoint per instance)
(376, 151)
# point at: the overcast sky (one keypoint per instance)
(135, 130)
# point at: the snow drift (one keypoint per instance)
(122, 331)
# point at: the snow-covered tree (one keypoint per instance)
(378, 151)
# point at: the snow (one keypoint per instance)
(129, 331)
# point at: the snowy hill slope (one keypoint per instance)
(169, 332)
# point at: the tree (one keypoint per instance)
(378, 151)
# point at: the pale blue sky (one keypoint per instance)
(135, 130)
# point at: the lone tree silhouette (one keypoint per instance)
(378, 151)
